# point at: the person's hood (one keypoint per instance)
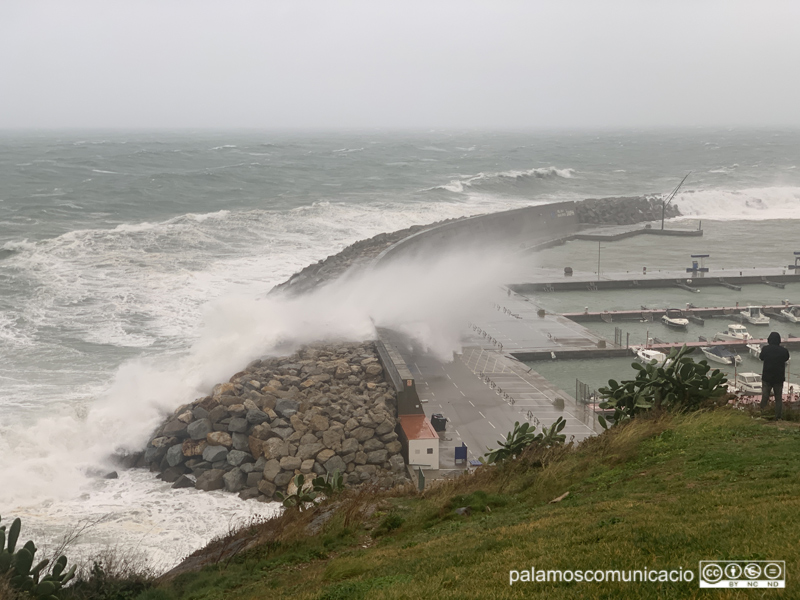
(774, 338)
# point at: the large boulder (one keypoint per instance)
(283, 432)
(240, 441)
(306, 451)
(372, 445)
(274, 448)
(385, 427)
(217, 413)
(223, 389)
(362, 434)
(335, 463)
(183, 482)
(237, 425)
(267, 488)
(175, 428)
(286, 407)
(198, 430)
(378, 457)
(219, 438)
(394, 447)
(234, 480)
(282, 479)
(318, 423)
(257, 416)
(175, 455)
(237, 457)
(271, 469)
(193, 447)
(350, 445)
(290, 463)
(397, 463)
(210, 480)
(214, 454)
(254, 478)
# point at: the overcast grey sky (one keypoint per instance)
(348, 64)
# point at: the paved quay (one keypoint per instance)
(484, 390)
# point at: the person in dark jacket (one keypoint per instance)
(773, 374)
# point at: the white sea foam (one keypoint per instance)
(753, 203)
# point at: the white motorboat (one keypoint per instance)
(792, 313)
(753, 314)
(721, 354)
(748, 383)
(674, 318)
(647, 357)
(734, 332)
(754, 349)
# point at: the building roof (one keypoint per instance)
(417, 427)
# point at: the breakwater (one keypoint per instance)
(326, 408)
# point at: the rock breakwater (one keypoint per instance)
(623, 210)
(326, 408)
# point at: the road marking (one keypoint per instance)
(448, 376)
(463, 394)
(490, 423)
(432, 394)
(458, 434)
(471, 404)
(481, 414)
(454, 383)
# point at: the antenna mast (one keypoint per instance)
(669, 199)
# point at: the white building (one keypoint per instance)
(420, 441)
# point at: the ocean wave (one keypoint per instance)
(726, 170)
(504, 178)
(732, 205)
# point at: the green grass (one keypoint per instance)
(661, 494)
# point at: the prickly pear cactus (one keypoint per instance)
(23, 575)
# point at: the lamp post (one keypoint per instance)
(598, 261)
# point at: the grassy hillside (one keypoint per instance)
(657, 493)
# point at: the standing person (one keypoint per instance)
(773, 374)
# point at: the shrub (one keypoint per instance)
(522, 437)
(683, 385)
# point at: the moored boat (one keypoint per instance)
(647, 356)
(721, 354)
(748, 383)
(753, 314)
(734, 332)
(792, 313)
(674, 318)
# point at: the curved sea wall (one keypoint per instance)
(326, 408)
(486, 229)
(330, 407)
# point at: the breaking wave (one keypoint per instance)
(504, 179)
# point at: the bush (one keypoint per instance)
(523, 437)
(683, 385)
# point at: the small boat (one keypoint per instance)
(647, 357)
(792, 313)
(721, 354)
(734, 332)
(748, 383)
(674, 318)
(753, 314)
(754, 349)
